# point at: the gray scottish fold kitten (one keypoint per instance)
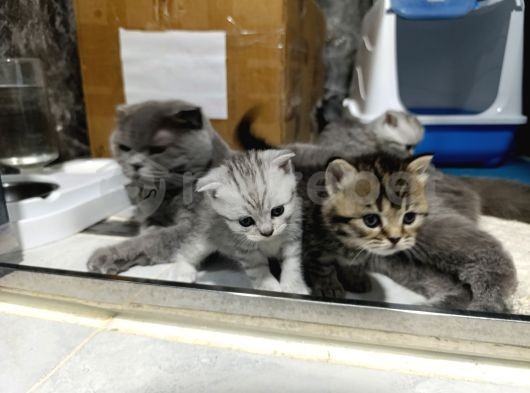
(405, 230)
(163, 146)
(393, 132)
(246, 209)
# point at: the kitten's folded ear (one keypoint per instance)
(283, 160)
(210, 181)
(121, 111)
(190, 119)
(337, 171)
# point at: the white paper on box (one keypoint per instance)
(185, 65)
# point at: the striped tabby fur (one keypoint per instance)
(438, 251)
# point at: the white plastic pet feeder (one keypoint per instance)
(59, 201)
(457, 64)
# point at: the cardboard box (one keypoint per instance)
(273, 59)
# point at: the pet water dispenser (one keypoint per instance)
(47, 204)
(457, 64)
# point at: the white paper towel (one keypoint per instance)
(184, 65)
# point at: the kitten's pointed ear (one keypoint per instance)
(336, 172)
(391, 119)
(420, 165)
(283, 160)
(209, 182)
(190, 119)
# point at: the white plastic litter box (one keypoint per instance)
(457, 64)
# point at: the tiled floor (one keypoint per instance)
(53, 357)
(139, 364)
(31, 348)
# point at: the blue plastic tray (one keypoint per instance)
(433, 9)
(471, 145)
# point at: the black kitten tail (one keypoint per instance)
(502, 198)
(244, 134)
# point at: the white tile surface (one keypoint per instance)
(69, 254)
(31, 348)
(113, 362)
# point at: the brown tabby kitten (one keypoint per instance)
(359, 217)
(380, 212)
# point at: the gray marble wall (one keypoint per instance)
(46, 29)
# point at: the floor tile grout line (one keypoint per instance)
(70, 355)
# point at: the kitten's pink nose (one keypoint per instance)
(266, 232)
(394, 240)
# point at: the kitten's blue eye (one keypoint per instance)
(371, 220)
(124, 148)
(277, 211)
(246, 221)
(409, 218)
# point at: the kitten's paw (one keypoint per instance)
(329, 287)
(491, 301)
(497, 306)
(358, 284)
(105, 260)
(297, 286)
(184, 272)
(268, 284)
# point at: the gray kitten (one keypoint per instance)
(163, 146)
(405, 231)
(393, 132)
(246, 209)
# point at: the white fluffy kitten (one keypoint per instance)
(248, 210)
